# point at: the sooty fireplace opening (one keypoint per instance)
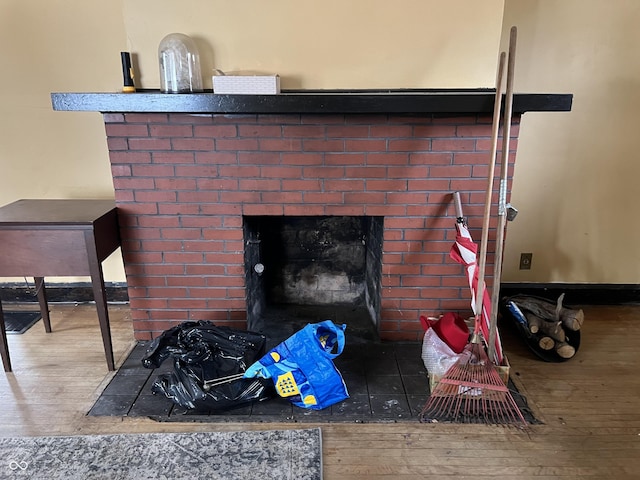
(310, 268)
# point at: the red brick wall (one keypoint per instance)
(183, 182)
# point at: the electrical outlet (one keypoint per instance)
(525, 261)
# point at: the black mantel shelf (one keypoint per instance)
(448, 101)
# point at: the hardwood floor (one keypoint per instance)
(589, 406)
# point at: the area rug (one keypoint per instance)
(273, 454)
(19, 322)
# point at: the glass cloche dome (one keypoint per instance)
(179, 64)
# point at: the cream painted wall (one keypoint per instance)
(576, 178)
(328, 44)
(61, 45)
(575, 175)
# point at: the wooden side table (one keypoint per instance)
(40, 238)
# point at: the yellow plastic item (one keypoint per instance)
(286, 385)
(309, 400)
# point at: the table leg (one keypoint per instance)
(44, 304)
(100, 296)
(4, 346)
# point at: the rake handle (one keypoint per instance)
(482, 257)
(502, 215)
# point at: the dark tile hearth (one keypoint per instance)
(387, 382)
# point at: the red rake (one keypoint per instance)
(472, 392)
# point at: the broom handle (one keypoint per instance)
(482, 258)
(502, 201)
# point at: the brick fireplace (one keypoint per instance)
(190, 184)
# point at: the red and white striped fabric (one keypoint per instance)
(464, 251)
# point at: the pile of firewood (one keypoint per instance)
(549, 324)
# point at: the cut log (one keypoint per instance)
(554, 330)
(572, 319)
(549, 311)
(564, 350)
(546, 343)
(550, 329)
(533, 321)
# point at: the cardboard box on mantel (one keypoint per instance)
(246, 84)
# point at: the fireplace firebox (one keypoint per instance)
(312, 261)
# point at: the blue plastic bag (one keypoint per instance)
(302, 368)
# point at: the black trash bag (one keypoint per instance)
(204, 356)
